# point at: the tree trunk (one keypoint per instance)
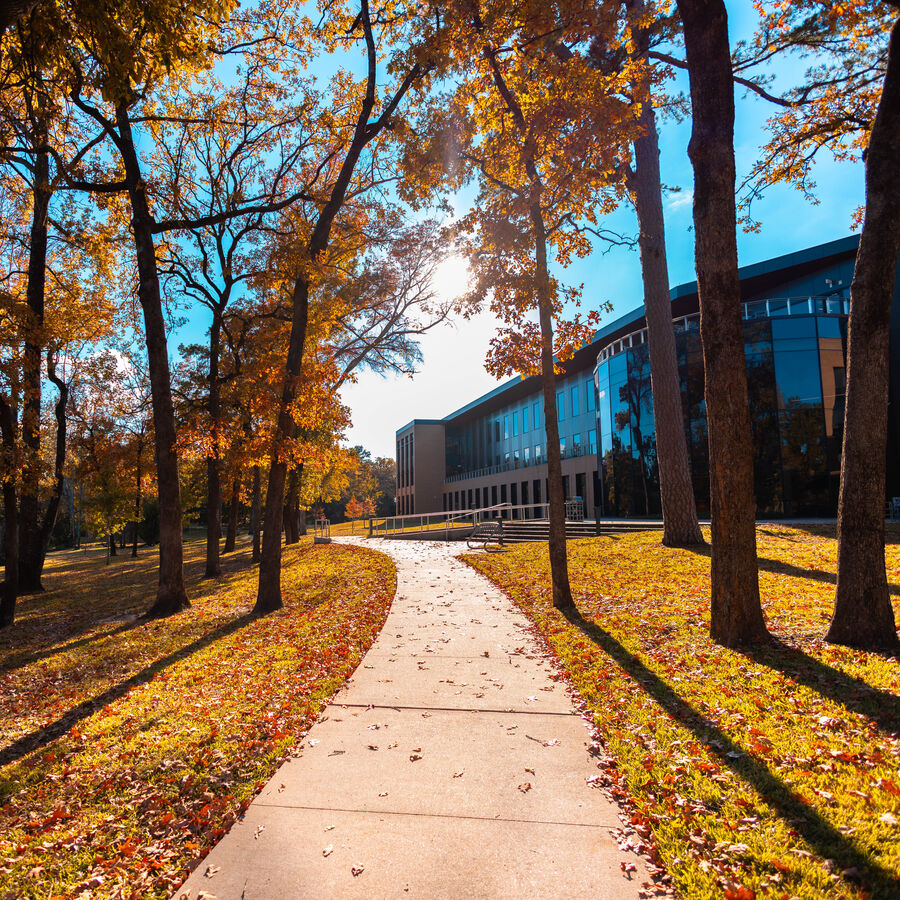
(736, 614)
(291, 505)
(10, 588)
(137, 492)
(30, 545)
(59, 462)
(863, 615)
(559, 563)
(112, 545)
(301, 522)
(171, 596)
(213, 475)
(268, 597)
(231, 533)
(676, 489)
(254, 515)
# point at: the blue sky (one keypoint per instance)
(452, 373)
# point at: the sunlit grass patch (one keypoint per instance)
(162, 731)
(774, 772)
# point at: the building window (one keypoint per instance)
(592, 442)
(537, 453)
(536, 415)
(503, 493)
(525, 420)
(506, 460)
(575, 408)
(576, 445)
(562, 447)
(516, 459)
(506, 428)
(589, 396)
(560, 406)
(526, 456)
(515, 423)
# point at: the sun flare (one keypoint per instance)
(452, 278)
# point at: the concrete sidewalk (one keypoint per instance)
(451, 764)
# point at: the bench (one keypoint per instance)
(484, 534)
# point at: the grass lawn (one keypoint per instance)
(768, 773)
(127, 748)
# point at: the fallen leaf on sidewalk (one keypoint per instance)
(357, 870)
(328, 850)
(525, 788)
(458, 774)
(553, 742)
(329, 827)
(414, 756)
(383, 794)
(373, 746)
(259, 831)
(211, 871)
(531, 771)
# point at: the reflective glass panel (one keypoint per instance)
(797, 379)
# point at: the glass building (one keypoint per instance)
(795, 350)
(794, 309)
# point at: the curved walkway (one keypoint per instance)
(451, 764)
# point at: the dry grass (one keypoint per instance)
(773, 772)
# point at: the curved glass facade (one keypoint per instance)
(796, 353)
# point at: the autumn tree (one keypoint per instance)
(101, 404)
(39, 141)
(524, 121)
(117, 57)
(219, 148)
(358, 122)
(736, 613)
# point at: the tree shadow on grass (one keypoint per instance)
(778, 567)
(59, 630)
(805, 819)
(854, 694)
(65, 723)
(25, 657)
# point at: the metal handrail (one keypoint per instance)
(450, 519)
